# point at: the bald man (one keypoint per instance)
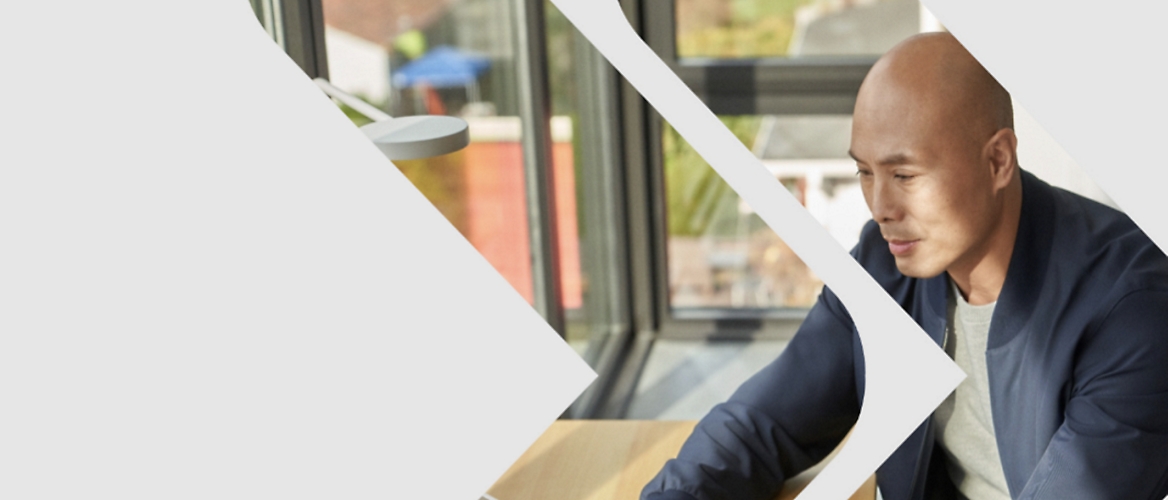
(1055, 306)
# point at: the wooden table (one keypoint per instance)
(607, 460)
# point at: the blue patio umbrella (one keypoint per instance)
(442, 67)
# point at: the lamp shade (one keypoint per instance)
(413, 137)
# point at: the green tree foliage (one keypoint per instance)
(698, 201)
(736, 28)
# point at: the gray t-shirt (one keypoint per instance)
(965, 426)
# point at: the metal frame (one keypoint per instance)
(604, 253)
(268, 12)
(303, 29)
(539, 176)
(804, 85)
(297, 26)
(641, 248)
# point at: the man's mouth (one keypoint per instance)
(901, 247)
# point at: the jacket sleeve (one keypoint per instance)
(781, 421)
(1113, 442)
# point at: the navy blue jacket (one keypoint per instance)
(1077, 361)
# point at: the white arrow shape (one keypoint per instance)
(898, 395)
(213, 285)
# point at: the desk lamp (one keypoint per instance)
(407, 137)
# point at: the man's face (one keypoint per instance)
(925, 181)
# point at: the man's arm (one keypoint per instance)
(1113, 443)
(781, 421)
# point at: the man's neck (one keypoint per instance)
(981, 281)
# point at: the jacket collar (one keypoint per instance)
(1027, 268)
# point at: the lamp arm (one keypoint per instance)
(370, 111)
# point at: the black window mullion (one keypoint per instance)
(303, 33)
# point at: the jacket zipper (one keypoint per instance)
(927, 440)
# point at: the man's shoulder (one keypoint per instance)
(1103, 243)
(1077, 258)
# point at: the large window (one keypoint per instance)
(590, 205)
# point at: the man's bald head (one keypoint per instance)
(935, 71)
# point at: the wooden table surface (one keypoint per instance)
(607, 460)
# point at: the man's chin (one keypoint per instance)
(912, 269)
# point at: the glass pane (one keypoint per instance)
(562, 73)
(452, 58)
(793, 28)
(721, 254)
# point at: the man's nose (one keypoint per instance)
(885, 204)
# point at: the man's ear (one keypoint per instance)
(1002, 154)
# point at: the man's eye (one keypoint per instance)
(863, 173)
(903, 177)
